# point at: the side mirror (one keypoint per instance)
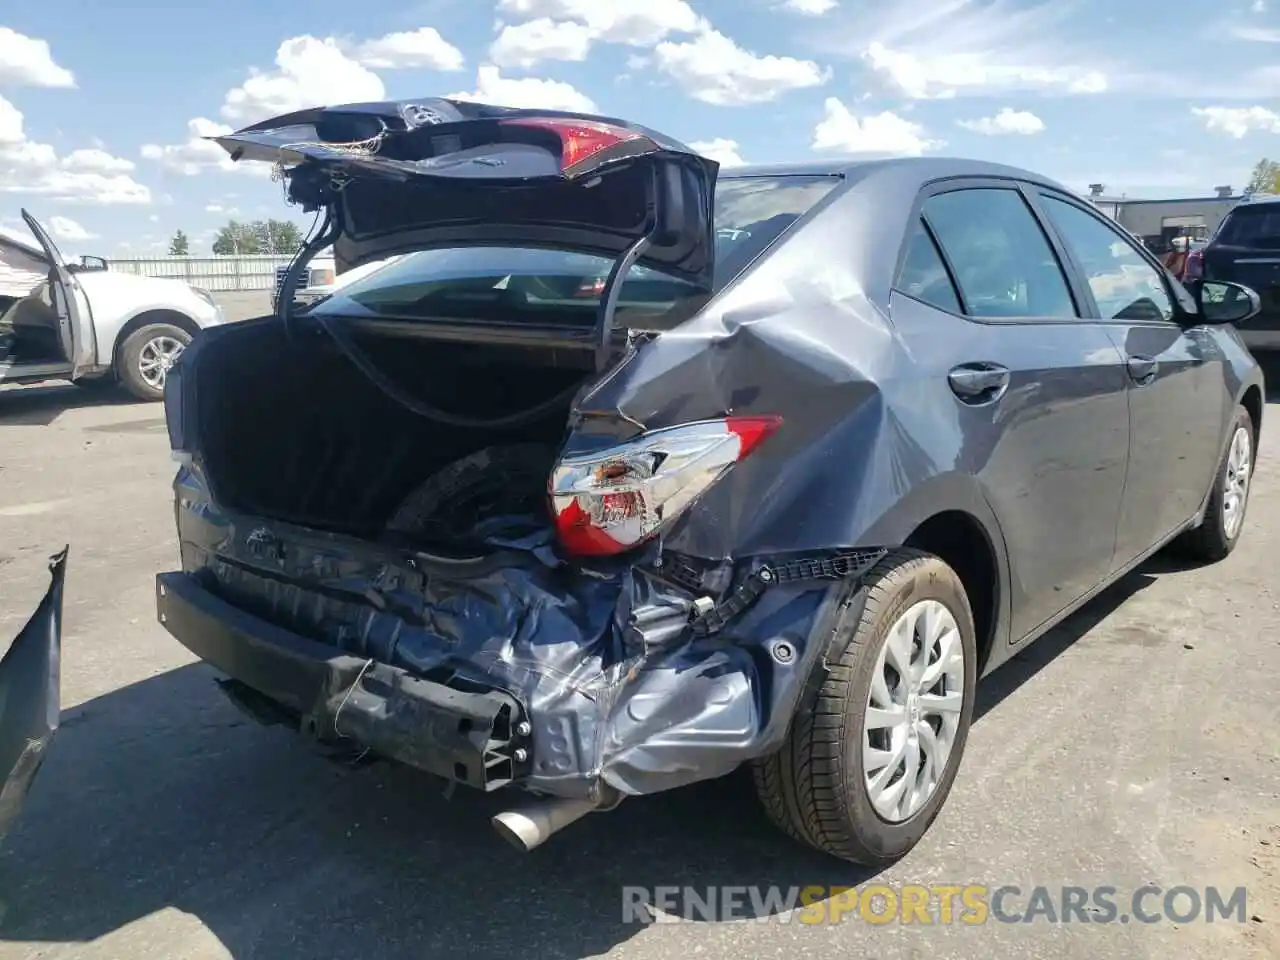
(1223, 302)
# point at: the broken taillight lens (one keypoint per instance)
(580, 140)
(608, 502)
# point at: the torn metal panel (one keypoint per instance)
(30, 697)
(611, 677)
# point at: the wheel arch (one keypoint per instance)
(1252, 401)
(146, 317)
(950, 517)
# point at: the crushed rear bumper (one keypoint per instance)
(471, 736)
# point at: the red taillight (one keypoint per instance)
(579, 139)
(608, 502)
(1193, 269)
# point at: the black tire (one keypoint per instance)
(492, 482)
(129, 359)
(813, 788)
(1211, 540)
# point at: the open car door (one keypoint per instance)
(75, 320)
(30, 697)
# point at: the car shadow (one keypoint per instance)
(41, 404)
(161, 796)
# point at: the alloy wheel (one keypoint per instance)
(913, 710)
(1235, 494)
(157, 357)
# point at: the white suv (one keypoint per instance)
(93, 326)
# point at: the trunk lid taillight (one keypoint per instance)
(607, 502)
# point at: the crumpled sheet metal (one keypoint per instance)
(617, 690)
(30, 697)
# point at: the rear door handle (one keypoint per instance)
(979, 382)
(1142, 369)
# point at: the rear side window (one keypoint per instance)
(1252, 226)
(924, 275)
(1002, 260)
(1124, 284)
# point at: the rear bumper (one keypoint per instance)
(470, 736)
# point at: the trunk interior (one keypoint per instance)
(291, 429)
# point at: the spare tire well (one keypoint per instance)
(958, 540)
(143, 319)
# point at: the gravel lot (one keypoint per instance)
(1136, 744)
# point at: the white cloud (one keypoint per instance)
(946, 75)
(1259, 6)
(714, 69)
(214, 208)
(421, 49)
(524, 45)
(493, 88)
(310, 72)
(1257, 34)
(96, 160)
(882, 133)
(87, 176)
(26, 60)
(64, 228)
(640, 23)
(1238, 121)
(723, 152)
(1007, 121)
(196, 154)
(810, 8)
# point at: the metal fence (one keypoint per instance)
(211, 273)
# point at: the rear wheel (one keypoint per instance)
(1219, 532)
(147, 356)
(869, 762)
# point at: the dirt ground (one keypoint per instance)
(1136, 744)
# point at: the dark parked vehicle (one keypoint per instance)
(882, 425)
(1245, 249)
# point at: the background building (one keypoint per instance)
(1157, 222)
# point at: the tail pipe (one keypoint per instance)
(530, 826)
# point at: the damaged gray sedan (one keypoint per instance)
(628, 473)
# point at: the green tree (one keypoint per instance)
(180, 245)
(1265, 177)
(278, 237)
(236, 239)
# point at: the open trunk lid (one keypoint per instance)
(415, 175)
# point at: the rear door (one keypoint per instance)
(75, 319)
(1177, 399)
(1038, 390)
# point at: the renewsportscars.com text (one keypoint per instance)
(965, 904)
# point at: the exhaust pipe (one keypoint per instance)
(531, 825)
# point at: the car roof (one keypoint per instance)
(1264, 201)
(924, 168)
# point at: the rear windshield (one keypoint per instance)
(1250, 226)
(525, 284)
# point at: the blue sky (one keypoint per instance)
(102, 105)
